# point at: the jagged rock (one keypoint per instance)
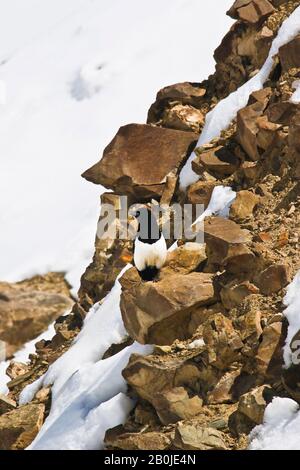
(267, 353)
(223, 342)
(251, 11)
(230, 387)
(185, 93)
(28, 307)
(294, 142)
(249, 326)
(151, 375)
(219, 161)
(200, 192)
(111, 255)
(239, 424)
(234, 293)
(289, 54)
(193, 436)
(175, 405)
(247, 129)
(6, 404)
(222, 392)
(19, 427)
(274, 278)
(118, 438)
(253, 404)
(183, 118)
(159, 312)
(43, 395)
(201, 314)
(16, 369)
(225, 243)
(139, 158)
(243, 206)
(249, 173)
(184, 259)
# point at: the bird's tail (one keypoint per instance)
(149, 273)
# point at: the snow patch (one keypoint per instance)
(226, 110)
(295, 98)
(292, 313)
(88, 393)
(280, 429)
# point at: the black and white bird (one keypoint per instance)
(150, 248)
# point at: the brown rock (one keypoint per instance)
(16, 369)
(175, 405)
(159, 312)
(118, 438)
(185, 93)
(201, 314)
(239, 424)
(184, 259)
(222, 341)
(267, 353)
(253, 404)
(289, 54)
(150, 375)
(243, 206)
(19, 427)
(251, 11)
(222, 392)
(233, 294)
(139, 158)
(249, 173)
(27, 308)
(249, 326)
(273, 279)
(183, 118)
(6, 404)
(219, 161)
(247, 129)
(230, 387)
(221, 237)
(193, 436)
(200, 192)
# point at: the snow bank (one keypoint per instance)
(225, 111)
(88, 393)
(220, 202)
(280, 429)
(292, 313)
(74, 71)
(295, 98)
(92, 400)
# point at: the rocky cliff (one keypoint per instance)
(215, 316)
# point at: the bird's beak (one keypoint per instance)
(126, 256)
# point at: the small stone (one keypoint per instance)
(6, 404)
(243, 206)
(19, 427)
(253, 404)
(273, 279)
(193, 436)
(175, 405)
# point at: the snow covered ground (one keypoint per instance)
(88, 393)
(71, 73)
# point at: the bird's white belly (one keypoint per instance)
(150, 255)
